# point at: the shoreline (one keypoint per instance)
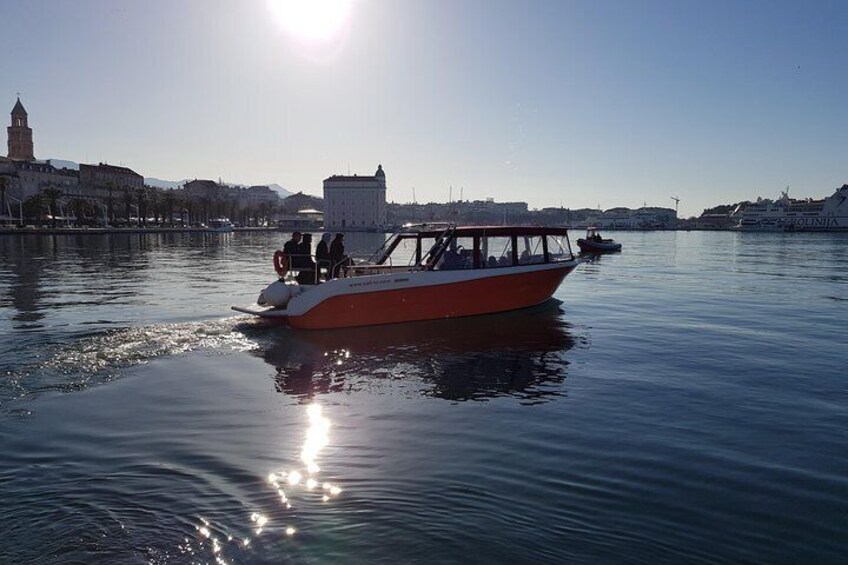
(161, 229)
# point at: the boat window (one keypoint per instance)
(496, 251)
(458, 255)
(558, 248)
(404, 253)
(530, 250)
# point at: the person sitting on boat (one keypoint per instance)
(337, 254)
(306, 266)
(451, 258)
(492, 261)
(322, 256)
(597, 237)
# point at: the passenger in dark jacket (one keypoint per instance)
(291, 245)
(306, 265)
(322, 255)
(290, 248)
(337, 254)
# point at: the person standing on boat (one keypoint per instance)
(290, 249)
(337, 254)
(306, 274)
(322, 255)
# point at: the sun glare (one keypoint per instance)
(315, 20)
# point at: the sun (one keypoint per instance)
(315, 20)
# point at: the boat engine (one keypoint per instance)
(278, 294)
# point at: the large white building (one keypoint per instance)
(355, 203)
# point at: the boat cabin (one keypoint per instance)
(454, 248)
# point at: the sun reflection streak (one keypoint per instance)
(317, 437)
(305, 480)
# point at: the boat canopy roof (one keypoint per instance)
(488, 231)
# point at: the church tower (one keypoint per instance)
(20, 135)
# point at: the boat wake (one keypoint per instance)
(100, 357)
(461, 359)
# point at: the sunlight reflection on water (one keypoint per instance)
(317, 438)
(300, 481)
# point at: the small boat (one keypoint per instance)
(220, 225)
(422, 273)
(594, 243)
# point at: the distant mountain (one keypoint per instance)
(280, 190)
(61, 164)
(167, 184)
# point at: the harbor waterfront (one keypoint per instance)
(682, 401)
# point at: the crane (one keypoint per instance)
(676, 202)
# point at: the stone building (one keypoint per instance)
(34, 176)
(300, 201)
(257, 195)
(355, 203)
(200, 189)
(215, 191)
(97, 180)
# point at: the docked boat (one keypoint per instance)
(424, 273)
(594, 243)
(220, 225)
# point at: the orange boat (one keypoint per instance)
(426, 274)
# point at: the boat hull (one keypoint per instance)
(484, 295)
(587, 246)
(414, 296)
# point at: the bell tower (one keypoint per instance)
(20, 135)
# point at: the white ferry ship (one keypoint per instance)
(788, 214)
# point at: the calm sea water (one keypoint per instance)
(684, 401)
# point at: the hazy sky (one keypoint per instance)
(553, 102)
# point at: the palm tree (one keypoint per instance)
(233, 210)
(168, 207)
(142, 206)
(186, 207)
(34, 206)
(155, 203)
(3, 181)
(53, 194)
(80, 208)
(205, 205)
(127, 204)
(110, 202)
